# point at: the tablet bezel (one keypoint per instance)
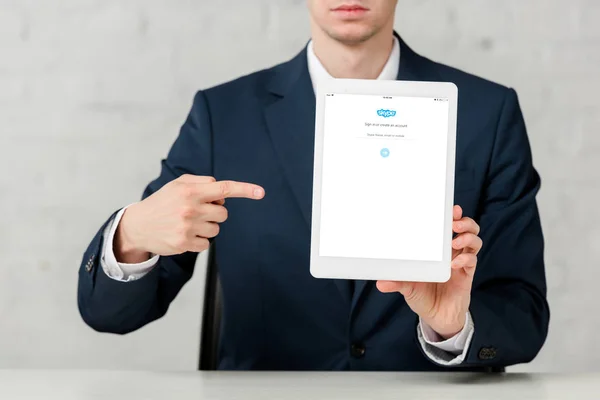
(383, 269)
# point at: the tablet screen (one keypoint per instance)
(383, 177)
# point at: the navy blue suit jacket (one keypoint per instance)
(276, 316)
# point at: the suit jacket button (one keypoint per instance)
(487, 353)
(357, 350)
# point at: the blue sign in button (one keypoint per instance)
(384, 152)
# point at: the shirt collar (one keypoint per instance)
(318, 72)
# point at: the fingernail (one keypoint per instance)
(258, 193)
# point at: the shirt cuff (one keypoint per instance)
(120, 271)
(447, 352)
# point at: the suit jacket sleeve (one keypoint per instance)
(108, 305)
(508, 304)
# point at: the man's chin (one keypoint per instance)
(352, 34)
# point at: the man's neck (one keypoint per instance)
(360, 61)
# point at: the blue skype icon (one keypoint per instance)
(385, 152)
(386, 113)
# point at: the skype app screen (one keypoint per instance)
(383, 177)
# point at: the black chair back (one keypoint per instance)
(211, 318)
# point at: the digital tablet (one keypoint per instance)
(383, 186)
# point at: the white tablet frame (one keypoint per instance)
(383, 269)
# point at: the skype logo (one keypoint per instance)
(386, 113)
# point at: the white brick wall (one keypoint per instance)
(92, 93)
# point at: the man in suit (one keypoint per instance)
(240, 175)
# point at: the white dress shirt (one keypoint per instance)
(445, 352)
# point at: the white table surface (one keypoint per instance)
(115, 385)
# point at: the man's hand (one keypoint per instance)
(179, 217)
(444, 306)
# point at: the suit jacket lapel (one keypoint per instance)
(291, 123)
(290, 120)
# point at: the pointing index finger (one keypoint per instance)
(227, 189)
